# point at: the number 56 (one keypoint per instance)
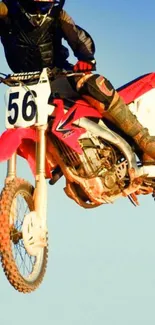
(28, 106)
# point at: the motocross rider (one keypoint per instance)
(32, 32)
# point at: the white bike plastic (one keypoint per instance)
(28, 105)
(143, 107)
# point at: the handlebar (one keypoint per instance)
(25, 77)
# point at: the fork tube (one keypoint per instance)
(11, 167)
(41, 151)
(40, 197)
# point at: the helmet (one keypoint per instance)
(38, 10)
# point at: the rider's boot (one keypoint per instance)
(107, 100)
(128, 122)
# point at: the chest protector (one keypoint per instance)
(29, 48)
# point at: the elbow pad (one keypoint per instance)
(3, 10)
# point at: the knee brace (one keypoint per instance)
(99, 88)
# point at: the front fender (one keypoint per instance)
(22, 141)
(11, 140)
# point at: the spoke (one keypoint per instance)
(22, 259)
(15, 251)
(25, 262)
(18, 205)
(18, 211)
(27, 265)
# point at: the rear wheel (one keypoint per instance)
(24, 271)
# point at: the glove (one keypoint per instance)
(84, 66)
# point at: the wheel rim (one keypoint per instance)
(28, 266)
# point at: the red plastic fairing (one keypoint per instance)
(23, 141)
(63, 126)
(137, 87)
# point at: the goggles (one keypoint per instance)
(42, 7)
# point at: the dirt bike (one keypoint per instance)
(58, 137)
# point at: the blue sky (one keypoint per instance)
(101, 267)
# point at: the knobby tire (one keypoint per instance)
(9, 193)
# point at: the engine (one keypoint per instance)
(99, 159)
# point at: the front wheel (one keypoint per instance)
(25, 272)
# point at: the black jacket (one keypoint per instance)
(29, 48)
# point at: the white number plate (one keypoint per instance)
(24, 103)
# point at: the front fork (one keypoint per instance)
(11, 168)
(40, 192)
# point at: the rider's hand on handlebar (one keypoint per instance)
(84, 66)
